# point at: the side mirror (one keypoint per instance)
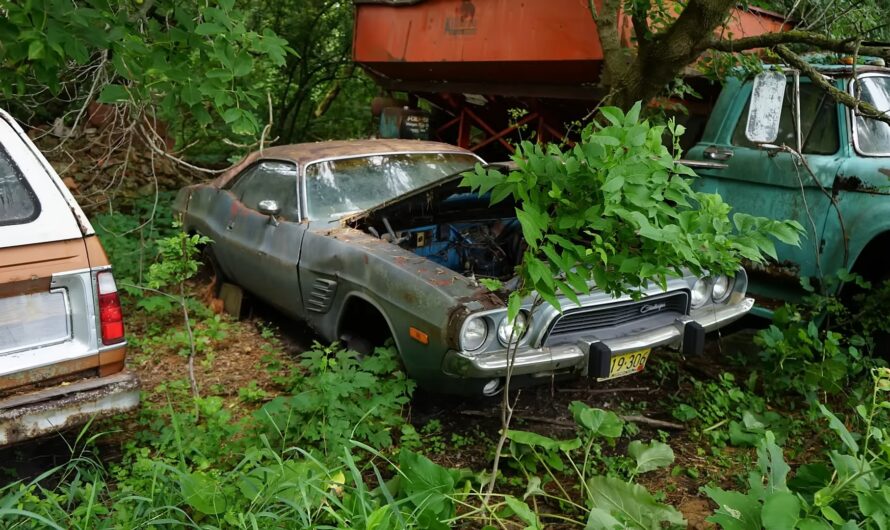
(765, 109)
(269, 207)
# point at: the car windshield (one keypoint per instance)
(346, 185)
(873, 136)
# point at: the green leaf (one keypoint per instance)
(35, 50)
(613, 184)
(599, 519)
(735, 511)
(525, 513)
(651, 456)
(544, 442)
(531, 230)
(114, 94)
(597, 421)
(631, 503)
(772, 464)
(203, 493)
(428, 484)
(837, 426)
(514, 303)
(781, 511)
(209, 28)
(614, 115)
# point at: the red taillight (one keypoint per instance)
(111, 317)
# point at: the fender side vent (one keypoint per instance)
(321, 296)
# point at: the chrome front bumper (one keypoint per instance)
(574, 356)
(53, 409)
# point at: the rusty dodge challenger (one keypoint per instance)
(372, 240)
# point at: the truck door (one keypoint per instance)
(770, 182)
(862, 186)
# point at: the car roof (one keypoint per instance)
(306, 153)
(310, 152)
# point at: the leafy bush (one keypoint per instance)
(851, 489)
(617, 208)
(190, 62)
(823, 342)
(337, 397)
(130, 237)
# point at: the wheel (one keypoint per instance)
(357, 343)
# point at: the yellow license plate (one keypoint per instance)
(627, 363)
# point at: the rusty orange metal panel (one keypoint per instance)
(480, 30)
(504, 41)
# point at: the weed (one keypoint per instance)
(338, 397)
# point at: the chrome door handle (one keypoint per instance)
(717, 153)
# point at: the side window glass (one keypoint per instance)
(241, 182)
(18, 204)
(873, 136)
(818, 122)
(276, 181)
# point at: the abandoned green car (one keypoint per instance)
(371, 240)
(818, 163)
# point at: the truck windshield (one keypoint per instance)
(346, 185)
(873, 136)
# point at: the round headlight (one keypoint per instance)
(701, 291)
(474, 334)
(513, 330)
(721, 287)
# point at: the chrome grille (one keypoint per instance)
(574, 321)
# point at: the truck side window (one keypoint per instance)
(873, 136)
(818, 122)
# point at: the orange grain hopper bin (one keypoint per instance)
(475, 61)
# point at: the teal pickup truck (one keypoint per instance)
(801, 155)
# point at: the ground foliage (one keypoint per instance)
(324, 443)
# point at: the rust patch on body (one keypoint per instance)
(854, 183)
(784, 270)
(50, 374)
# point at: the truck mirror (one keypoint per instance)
(765, 109)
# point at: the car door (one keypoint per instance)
(771, 182)
(223, 209)
(266, 247)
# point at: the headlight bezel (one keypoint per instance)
(503, 329)
(463, 341)
(704, 296)
(730, 284)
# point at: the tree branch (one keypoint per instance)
(816, 40)
(864, 109)
(614, 55)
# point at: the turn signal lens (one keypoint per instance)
(111, 316)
